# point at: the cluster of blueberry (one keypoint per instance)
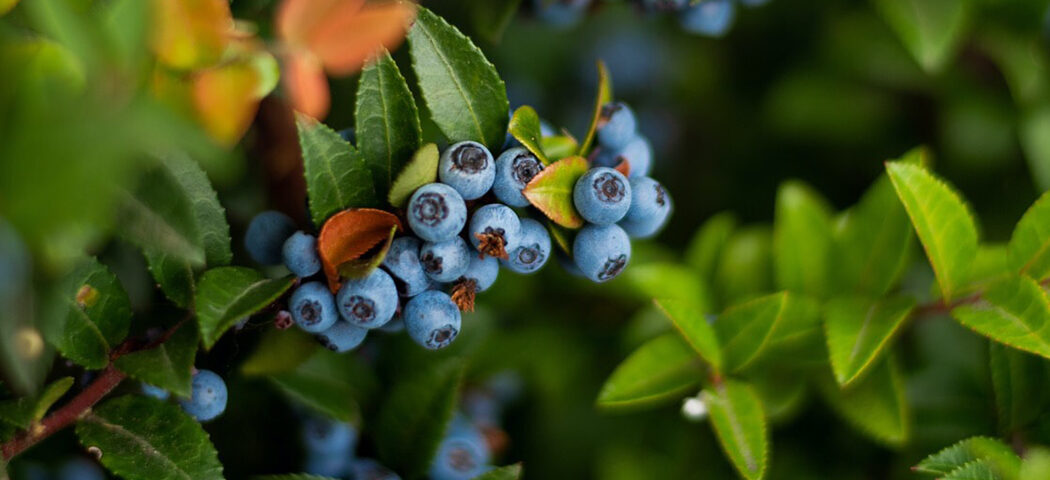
(330, 451)
(704, 17)
(207, 400)
(78, 468)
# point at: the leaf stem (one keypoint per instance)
(939, 307)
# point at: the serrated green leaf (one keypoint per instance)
(931, 29)
(22, 412)
(942, 221)
(1016, 380)
(738, 420)
(525, 126)
(415, 415)
(551, 191)
(509, 472)
(420, 171)
(465, 96)
(386, 121)
(859, 330)
(662, 369)
(364, 266)
(975, 470)
(875, 404)
(557, 147)
(280, 351)
(707, 245)
(158, 217)
(228, 294)
(745, 268)
(142, 438)
(665, 280)
(337, 176)
(972, 449)
(604, 95)
(692, 324)
(1013, 311)
(168, 365)
(329, 383)
(801, 240)
(91, 314)
(1030, 242)
(764, 326)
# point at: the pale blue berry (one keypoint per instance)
(638, 153)
(342, 336)
(494, 229)
(313, 307)
(650, 208)
(602, 196)
(468, 168)
(208, 399)
(402, 262)
(533, 250)
(265, 236)
(515, 168)
(368, 302)
(601, 251)
(616, 126)
(436, 212)
(446, 261)
(300, 254)
(711, 18)
(432, 319)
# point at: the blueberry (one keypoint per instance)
(300, 254)
(327, 465)
(601, 251)
(349, 135)
(711, 18)
(313, 307)
(266, 235)
(432, 320)
(368, 302)
(482, 271)
(462, 455)
(342, 337)
(560, 13)
(446, 261)
(436, 212)
(155, 392)
(515, 168)
(208, 399)
(650, 207)
(481, 407)
(80, 469)
(326, 436)
(638, 153)
(533, 250)
(403, 265)
(368, 469)
(467, 167)
(31, 471)
(602, 196)
(616, 126)
(494, 230)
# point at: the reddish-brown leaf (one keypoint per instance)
(348, 235)
(225, 99)
(305, 84)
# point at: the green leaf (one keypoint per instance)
(22, 412)
(415, 415)
(738, 420)
(228, 294)
(525, 126)
(859, 330)
(745, 268)
(142, 438)
(1034, 141)
(551, 191)
(967, 451)
(665, 280)
(603, 96)
(363, 266)
(386, 121)
(337, 175)
(1013, 311)
(280, 351)
(1018, 385)
(168, 365)
(1030, 242)
(662, 369)
(420, 171)
(509, 472)
(91, 315)
(931, 29)
(709, 242)
(558, 147)
(875, 405)
(764, 326)
(942, 221)
(692, 324)
(975, 470)
(465, 96)
(801, 240)
(327, 383)
(1036, 465)
(159, 217)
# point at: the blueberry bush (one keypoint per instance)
(378, 239)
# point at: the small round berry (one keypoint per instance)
(650, 208)
(80, 469)
(208, 399)
(494, 230)
(432, 320)
(436, 212)
(342, 337)
(462, 455)
(368, 469)
(482, 271)
(368, 302)
(300, 254)
(155, 392)
(326, 436)
(711, 18)
(445, 261)
(616, 126)
(402, 262)
(602, 196)
(327, 465)
(313, 307)
(266, 235)
(560, 13)
(601, 251)
(533, 250)
(638, 153)
(515, 168)
(467, 167)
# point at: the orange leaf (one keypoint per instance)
(190, 34)
(297, 18)
(226, 100)
(348, 235)
(306, 85)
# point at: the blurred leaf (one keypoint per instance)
(1017, 379)
(509, 472)
(745, 268)
(708, 243)
(168, 365)
(279, 351)
(91, 314)
(665, 280)
(306, 84)
(362, 267)
(759, 327)
(465, 96)
(662, 369)
(1030, 242)
(418, 172)
(942, 221)
(931, 29)
(604, 95)
(160, 218)
(386, 121)
(992, 262)
(190, 34)
(692, 324)
(801, 239)
(874, 404)
(337, 176)
(551, 190)
(226, 98)
(525, 127)
(7, 5)
(1036, 144)
(967, 451)
(328, 383)
(22, 412)
(348, 235)
(737, 418)
(859, 331)
(558, 147)
(126, 24)
(61, 21)
(491, 18)
(145, 439)
(1012, 311)
(226, 295)
(782, 395)
(1036, 465)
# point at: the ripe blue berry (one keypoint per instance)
(266, 235)
(208, 399)
(313, 307)
(560, 13)
(432, 320)
(326, 436)
(616, 126)
(638, 153)
(436, 212)
(515, 168)
(342, 337)
(601, 251)
(482, 271)
(711, 18)
(326, 465)
(368, 302)
(650, 207)
(494, 230)
(402, 262)
(467, 167)
(533, 250)
(155, 392)
(80, 469)
(462, 455)
(602, 196)
(445, 261)
(368, 469)
(300, 254)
